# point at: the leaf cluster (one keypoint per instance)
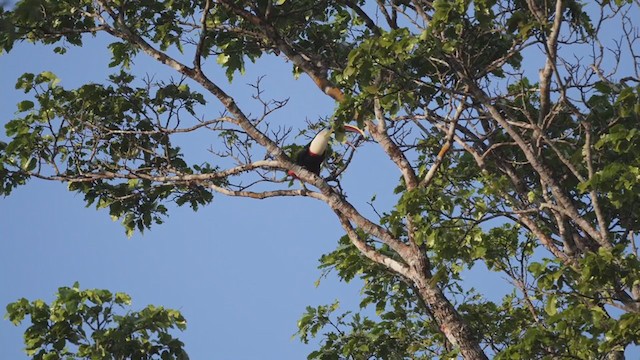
(96, 130)
(91, 324)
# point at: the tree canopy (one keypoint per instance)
(89, 324)
(514, 126)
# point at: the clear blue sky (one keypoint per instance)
(241, 271)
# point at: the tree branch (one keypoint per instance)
(370, 252)
(447, 144)
(547, 72)
(537, 165)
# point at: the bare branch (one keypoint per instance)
(447, 144)
(379, 133)
(551, 47)
(197, 60)
(369, 251)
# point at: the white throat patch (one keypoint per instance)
(319, 143)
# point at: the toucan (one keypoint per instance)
(313, 154)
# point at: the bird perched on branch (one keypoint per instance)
(314, 153)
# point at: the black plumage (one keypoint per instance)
(309, 160)
(314, 153)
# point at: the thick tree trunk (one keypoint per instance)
(455, 329)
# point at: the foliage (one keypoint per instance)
(89, 324)
(515, 154)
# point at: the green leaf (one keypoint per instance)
(30, 164)
(223, 59)
(551, 305)
(48, 76)
(25, 105)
